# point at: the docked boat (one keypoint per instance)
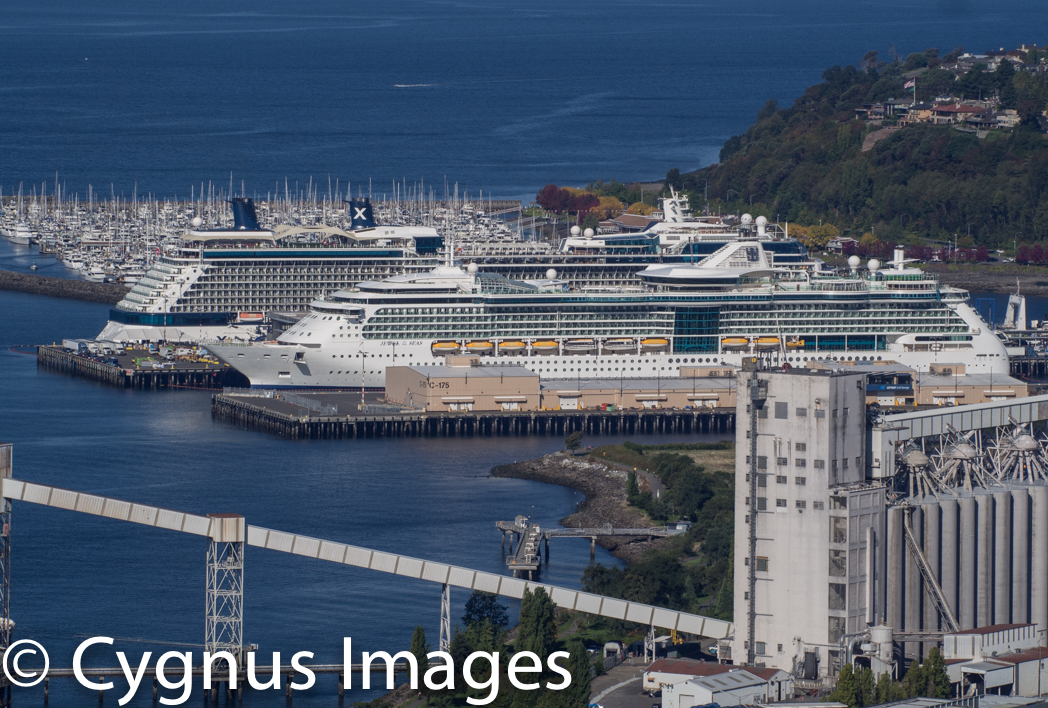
(193, 289)
(687, 315)
(20, 234)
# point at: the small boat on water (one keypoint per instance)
(32, 267)
(20, 234)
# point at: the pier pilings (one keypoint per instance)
(251, 416)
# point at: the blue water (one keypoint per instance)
(78, 575)
(500, 96)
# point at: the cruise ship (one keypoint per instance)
(732, 304)
(221, 284)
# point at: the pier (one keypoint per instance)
(277, 417)
(127, 374)
(1029, 367)
(526, 539)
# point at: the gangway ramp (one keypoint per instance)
(356, 556)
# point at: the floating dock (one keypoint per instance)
(339, 415)
(138, 369)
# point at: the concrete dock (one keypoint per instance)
(338, 415)
(139, 369)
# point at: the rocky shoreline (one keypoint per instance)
(605, 488)
(62, 287)
(997, 279)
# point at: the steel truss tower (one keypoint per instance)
(224, 624)
(445, 618)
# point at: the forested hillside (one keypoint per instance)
(806, 163)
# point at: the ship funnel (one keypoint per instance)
(362, 216)
(244, 218)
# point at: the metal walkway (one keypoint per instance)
(219, 529)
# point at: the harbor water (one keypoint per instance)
(498, 96)
(76, 576)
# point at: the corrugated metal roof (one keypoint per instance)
(689, 667)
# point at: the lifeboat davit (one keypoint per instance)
(545, 347)
(735, 343)
(479, 347)
(442, 348)
(767, 343)
(620, 345)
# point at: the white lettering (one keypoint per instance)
(255, 683)
(297, 666)
(493, 682)
(557, 669)
(390, 661)
(209, 664)
(447, 668)
(78, 656)
(347, 661)
(536, 666)
(186, 684)
(133, 678)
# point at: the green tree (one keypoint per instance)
(867, 687)
(936, 680)
(847, 690)
(579, 665)
(537, 631)
(598, 665)
(419, 648)
(574, 441)
(485, 607)
(914, 683)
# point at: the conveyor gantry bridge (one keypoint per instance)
(228, 535)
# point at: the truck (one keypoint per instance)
(77, 346)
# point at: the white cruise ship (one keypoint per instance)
(221, 284)
(733, 303)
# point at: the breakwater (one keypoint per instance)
(62, 287)
(190, 375)
(259, 415)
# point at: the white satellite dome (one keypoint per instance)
(747, 219)
(874, 265)
(196, 222)
(853, 262)
(551, 274)
(762, 221)
(588, 233)
(575, 230)
(472, 268)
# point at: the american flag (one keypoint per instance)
(911, 83)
